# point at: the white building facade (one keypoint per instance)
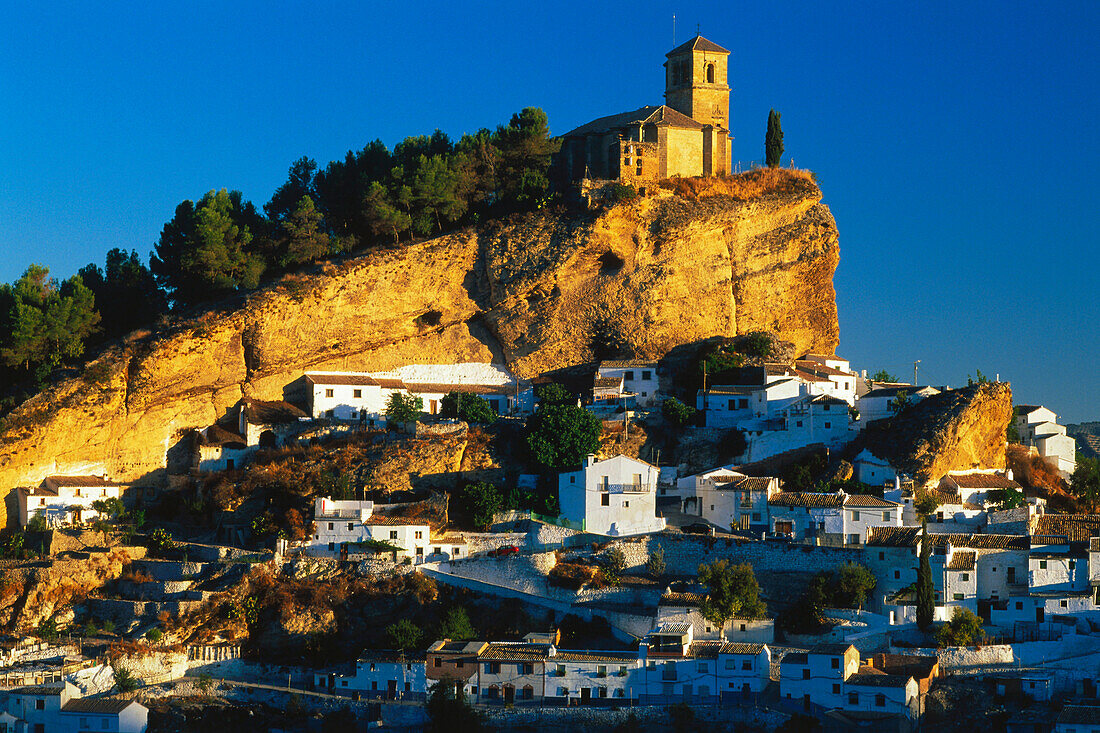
(615, 497)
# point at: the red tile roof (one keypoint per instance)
(961, 561)
(364, 380)
(981, 481)
(804, 499)
(1075, 527)
(697, 44)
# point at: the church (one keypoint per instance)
(688, 135)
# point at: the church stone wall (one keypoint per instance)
(685, 152)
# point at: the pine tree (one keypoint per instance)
(773, 141)
(926, 594)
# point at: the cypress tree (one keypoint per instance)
(926, 594)
(773, 141)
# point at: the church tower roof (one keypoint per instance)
(697, 44)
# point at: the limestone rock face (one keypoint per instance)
(539, 292)
(952, 431)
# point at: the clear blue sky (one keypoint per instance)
(956, 143)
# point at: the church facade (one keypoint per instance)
(686, 136)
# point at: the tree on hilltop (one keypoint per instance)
(732, 592)
(773, 140)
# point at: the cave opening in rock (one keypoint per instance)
(610, 263)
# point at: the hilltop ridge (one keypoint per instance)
(537, 292)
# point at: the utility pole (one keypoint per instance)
(915, 372)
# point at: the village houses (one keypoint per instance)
(63, 500)
(1038, 429)
(615, 497)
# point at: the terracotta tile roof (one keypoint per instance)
(269, 412)
(1075, 527)
(682, 599)
(382, 520)
(751, 483)
(97, 706)
(81, 481)
(893, 537)
(819, 368)
(1080, 714)
(593, 656)
(697, 44)
(945, 496)
(518, 651)
(390, 383)
(737, 389)
(704, 649)
(217, 435)
(494, 389)
(1094, 544)
(981, 481)
(919, 666)
(961, 561)
(874, 678)
(671, 628)
(859, 501)
(828, 400)
(40, 690)
(364, 380)
(731, 647)
(607, 382)
(983, 541)
(648, 114)
(628, 363)
(808, 377)
(804, 499)
(795, 658)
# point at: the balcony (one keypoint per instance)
(625, 488)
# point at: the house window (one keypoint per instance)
(957, 596)
(746, 666)
(836, 688)
(805, 674)
(39, 704)
(526, 668)
(393, 534)
(351, 526)
(1063, 604)
(1072, 564)
(965, 577)
(331, 546)
(828, 425)
(629, 376)
(357, 393)
(835, 662)
(756, 517)
(229, 465)
(882, 556)
(438, 662)
(855, 516)
(419, 535)
(880, 701)
(646, 376)
(572, 479)
(886, 516)
(798, 424)
(328, 393)
(1019, 605)
(331, 526)
(626, 505)
(605, 499)
(743, 403)
(742, 627)
(853, 698)
(420, 551)
(493, 667)
(603, 692)
(702, 667)
(1043, 564)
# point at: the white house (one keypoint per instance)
(61, 708)
(591, 677)
(1038, 428)
(220, 449)
(343, 527)
(676, 668)
(363, 396)
(873, 470)
(978, 487)
(836, 517)
(731, 499)
(879, 402)
(615, 497)
(1078, 719)
(836, 370)
(354, 396)
(388, 674)
(639, 378)
(831, 677)
(66, 499)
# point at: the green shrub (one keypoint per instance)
(125, 680)
(561, 436)
(468, 407)
(154, 635)
(677, 413)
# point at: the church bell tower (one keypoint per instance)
(696, 82)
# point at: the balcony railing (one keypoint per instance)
(621, 488)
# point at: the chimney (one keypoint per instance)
(1008, 474)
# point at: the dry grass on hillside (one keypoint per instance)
(743, 186)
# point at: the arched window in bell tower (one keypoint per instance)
(710, 73)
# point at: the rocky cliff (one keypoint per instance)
(952, 431)
(539, 292)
